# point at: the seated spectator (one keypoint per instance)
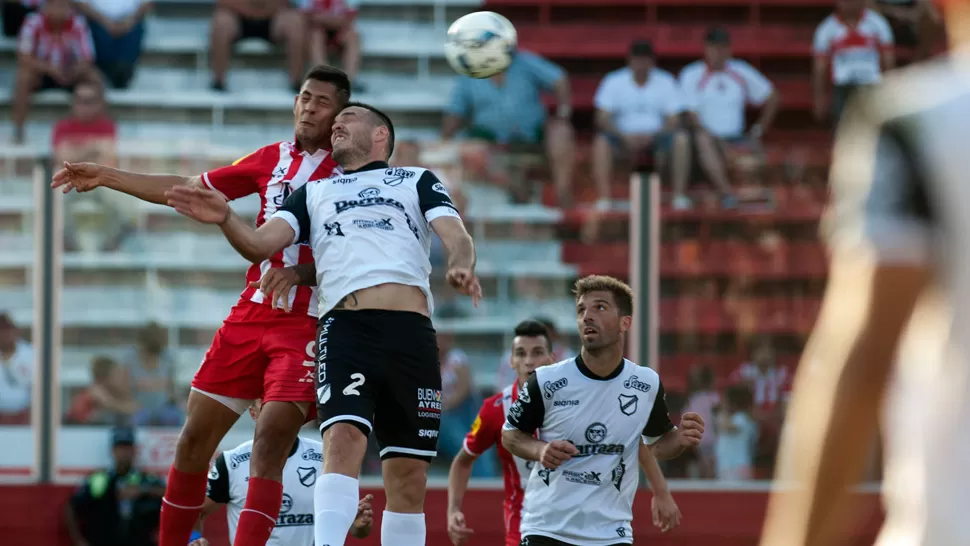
(16, 374)
(107, 401)
(54, 51)
(88, 133)
(637, 113)
(118, 29)
(152, 369)
(14, 12)
(274, 21)
(508, 109)
(915, 23)
(852, 48)
(737, 436)
(332, 26)
(716, 91)
(703, 399)
(117, 506)
(459, 404)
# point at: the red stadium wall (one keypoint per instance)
(31, 515)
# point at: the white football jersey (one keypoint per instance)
(368, 227)
(229, 482)
(588, 500)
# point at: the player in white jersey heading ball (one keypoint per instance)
(592, 413)
(227, 485)
(898, 289)
(377, 352)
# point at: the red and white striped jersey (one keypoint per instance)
(274, 172)
(487, 431)
(854, 52)
(61, 45)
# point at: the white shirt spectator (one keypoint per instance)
(854, 53)
(115, 10)
(16, 378)
(456, 358)
(636, 109)
(719, 97)
(735, 449)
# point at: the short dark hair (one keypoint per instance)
(622, 293)
(533, 328)
(332, 75)
(382, 120)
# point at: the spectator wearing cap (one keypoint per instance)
(717, 89)
(852, 48)
(118, 30)
(116, 506)
(16, 373)
(637, 112)
(508, 109)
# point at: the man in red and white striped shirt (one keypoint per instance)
(260, 351)
(54, 51)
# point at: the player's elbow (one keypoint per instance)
(508, 440)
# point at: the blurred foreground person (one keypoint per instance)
(897, 230)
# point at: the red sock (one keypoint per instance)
(184, 496)
(258, 517)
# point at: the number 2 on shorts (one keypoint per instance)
(357, 380)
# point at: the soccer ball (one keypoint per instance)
(480, 44)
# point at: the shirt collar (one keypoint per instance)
(583, 369)
(372, 166)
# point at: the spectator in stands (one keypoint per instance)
(508, 109)
(914, 23)
(703, 399)
(737, 436)
(331, 24)
(14, 12)
(152, 369)
(88, 133)
(16, 374)
(560, 351)
(459, 404)
(716, 91)
(770, 386)
(54, 51)
(117, 506)
(852, 48)
(638, 111)
(118, 29)
(108, 400)
(274, 21)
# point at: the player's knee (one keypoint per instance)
(194, 449)
(344, 448)
(224, 22)
(405, 482)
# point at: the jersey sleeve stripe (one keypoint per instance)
(438, 212)
(208, 184)
(290, 219)
(468, 450)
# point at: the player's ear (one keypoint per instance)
(381, 133)
(625, 323)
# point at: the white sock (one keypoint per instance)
(402, 529)
(335, 498)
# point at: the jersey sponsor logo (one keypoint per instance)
(524, 395)
(477, 424)
(278, 174)
(587, 477)
(369, 197)
(344, 180)
(394, 176)
(312, 455)
(545, 475)
(621, 532)
(427, 433)
(515, 411)
(617, 475)
(565, 403)
(294, 520)
(307, 475)
(287, 504)
(634, 383)
(285, 192)
(440, 188)
(628, 403)
(596, 433)
(429, 414)
(429, 403)
(382, 224)
(549, 388)
(214, 472)
(333, 228)
(238, 459)
(588, 450)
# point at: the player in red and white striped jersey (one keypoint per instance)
(531, 349)
(260, 351)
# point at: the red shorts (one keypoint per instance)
(261, 353)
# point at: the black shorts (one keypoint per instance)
(256, 28)
(536, 540)
(379, 370)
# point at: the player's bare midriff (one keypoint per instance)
(389, 297)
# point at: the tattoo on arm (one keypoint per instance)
(307, 273)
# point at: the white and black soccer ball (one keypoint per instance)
(481, 44)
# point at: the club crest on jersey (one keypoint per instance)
(634, 383)
(396, 175)
(307, 475)
(549, 388)
(628, 403)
